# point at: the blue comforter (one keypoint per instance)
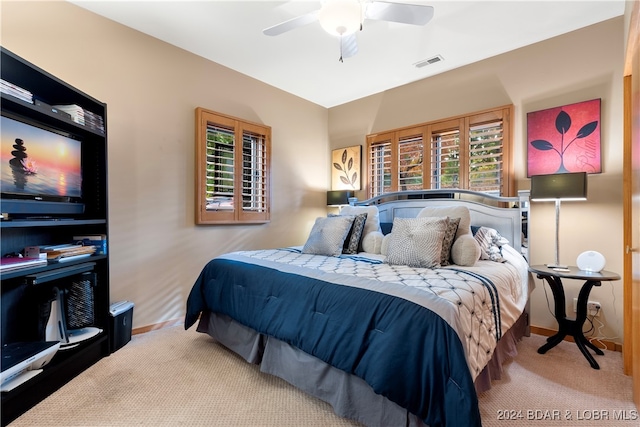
(403, 350)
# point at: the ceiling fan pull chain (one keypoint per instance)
(341, 48)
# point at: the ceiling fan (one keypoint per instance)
(343, 18)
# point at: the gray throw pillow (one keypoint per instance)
(417, 242)
(327, 236)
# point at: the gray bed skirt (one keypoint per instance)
(350, 396)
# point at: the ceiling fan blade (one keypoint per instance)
(291, 24)
(399, 12)
(348, 45)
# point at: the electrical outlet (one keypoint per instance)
(593, 307)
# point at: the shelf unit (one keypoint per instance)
(23, 301)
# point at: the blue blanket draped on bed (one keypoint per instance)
(404, 351)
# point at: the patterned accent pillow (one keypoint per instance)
(371, 224)
(327, 236)
(354, 238)
(416, 242)
(490, 242)
(447, 241)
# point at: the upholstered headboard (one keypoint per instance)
(505, 214)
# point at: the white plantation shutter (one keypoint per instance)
(445, 159)
(468, 152)
(380, 168)
(410, 163)
(232, 170)
(486, 158)
(254, 172)
(220, 160)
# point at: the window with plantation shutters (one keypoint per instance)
(469, 152)
(232, 170)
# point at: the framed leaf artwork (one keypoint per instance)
(564, 139)
(345, 168)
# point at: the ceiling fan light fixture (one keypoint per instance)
(340, 17)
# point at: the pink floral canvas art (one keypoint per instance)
(564, 139)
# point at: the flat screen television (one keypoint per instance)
(41, 170)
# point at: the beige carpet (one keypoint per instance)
(173, 377)
(561, 386)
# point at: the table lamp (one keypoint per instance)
(338, 198)
(559, 187)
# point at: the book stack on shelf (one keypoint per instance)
(93, 121)
(64, 253)
(83, 117)
(16, 91)
(99, 241)
(75, 111)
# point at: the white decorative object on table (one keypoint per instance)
(590, 261)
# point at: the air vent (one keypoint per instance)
(425, 62)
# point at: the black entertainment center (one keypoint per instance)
(54, 188)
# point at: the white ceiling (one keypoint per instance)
(304, 61)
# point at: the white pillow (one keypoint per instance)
(465, 251)
(372, 242)
(373, 219)
(417, 242)
(452, 212)
(327, 235)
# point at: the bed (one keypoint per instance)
(403, 324)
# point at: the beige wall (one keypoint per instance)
(151, 90)
(579, 66)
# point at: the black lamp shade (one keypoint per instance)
(336, 198)
(560, 186)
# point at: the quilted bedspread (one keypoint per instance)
(417, 336)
